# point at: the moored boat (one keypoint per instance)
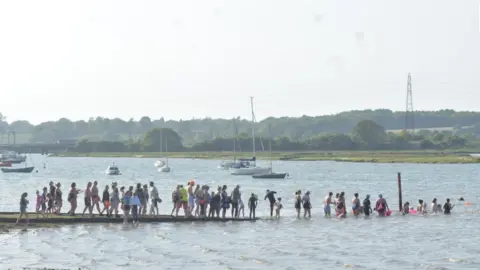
(18, 170)
(271, 175)
(112, 170)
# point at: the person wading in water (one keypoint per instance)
(356, 207)
(270, 195)
(381, 206)
(298, 202)
(307, 205)
(367, 206)
(326, 204)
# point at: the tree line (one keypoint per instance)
(366, 135)
(197, 131)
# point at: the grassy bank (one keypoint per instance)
(341, 156)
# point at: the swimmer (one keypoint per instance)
(298, 202)
(307, 205)
(447, 207)
(356, 205)
(278, 207)
(367, 206)
(326, 204)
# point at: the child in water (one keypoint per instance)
(23, 207)
(278, 207)
(447, 207)
(406, 208)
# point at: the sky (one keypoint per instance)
(193, 59)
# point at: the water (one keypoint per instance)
(397, 242)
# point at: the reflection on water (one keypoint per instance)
(397, 242)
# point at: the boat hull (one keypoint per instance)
(250, 171)
(270, 176)
(164, 169)
(18, 170)
(159, 163)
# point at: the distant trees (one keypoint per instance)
(305, 130)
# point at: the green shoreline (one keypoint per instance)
(427, 157)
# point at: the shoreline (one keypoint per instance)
(419, 157)
(8, 219)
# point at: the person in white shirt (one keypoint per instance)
(155, 199)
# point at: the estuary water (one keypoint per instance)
(396, 242)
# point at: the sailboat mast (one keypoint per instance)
(166, 150)
(253, 126)
(161, 141)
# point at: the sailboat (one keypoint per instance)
(249, 167)
(160, 163)
(270, 174)
(165, 168)
(226, 165)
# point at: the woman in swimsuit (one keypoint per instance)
(298, 202)
(356, 205)
(307, 205)
(341, 213)
(72, 198)
(95, 197)
(105, 201)
(88, 199)
(58, 199)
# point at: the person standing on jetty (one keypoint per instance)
(175, 200)
(147, 198)
(142, 198)
(270, 195)
(127, 200)
(381, 206)
(183, 201)
(155, 199)
(197, 195)
(52, 192)
(326, 204)
(58, 199)
(114, 201)
(95, 197)
(191, 196)
(298, 202)
(88, 200)
(136, 203)
(252, 205)
(215, 203)
(235, 201)
(225, 201)
(72, 198)
(105, 201)
(23, 208)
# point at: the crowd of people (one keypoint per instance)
(199, 201)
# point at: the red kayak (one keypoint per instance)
(5, 164)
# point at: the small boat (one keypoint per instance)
(112, 170)
(271, 175)
(18, 170)
(5, 164)
(12, 157)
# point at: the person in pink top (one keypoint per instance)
(88, 199)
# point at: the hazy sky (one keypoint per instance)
(184, 59)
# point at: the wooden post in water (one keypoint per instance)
(400, 205)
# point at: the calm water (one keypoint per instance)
(397, 242)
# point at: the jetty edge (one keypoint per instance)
(8, 219)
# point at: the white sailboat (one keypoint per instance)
(160, 163)
(250, 167)
(226, 165)
(165, 168)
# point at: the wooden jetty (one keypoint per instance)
(11, 218)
